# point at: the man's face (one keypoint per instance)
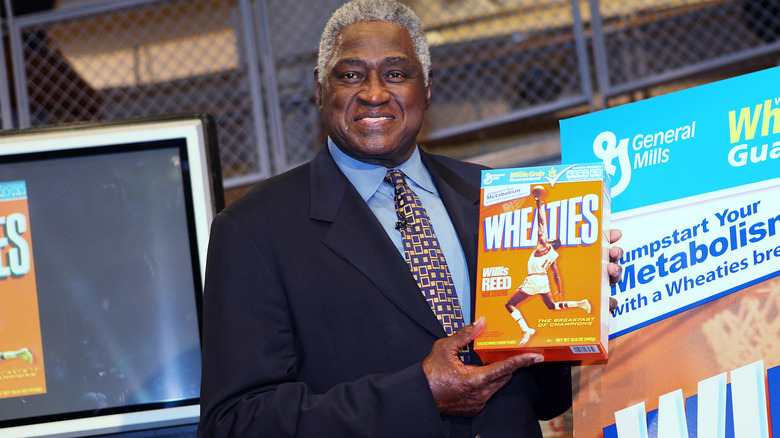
(374, 93)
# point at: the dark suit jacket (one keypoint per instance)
(314, 327)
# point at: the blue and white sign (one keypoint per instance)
(708, 138)
(695, 179)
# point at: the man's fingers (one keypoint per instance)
(504, 368)
(615, 253)
(612, 304)
(614, 235)
(464, 336)
(614, 270)
(463, 390)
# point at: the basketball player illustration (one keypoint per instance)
(23, 354)
(537, 282)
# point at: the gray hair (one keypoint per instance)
(389, 11)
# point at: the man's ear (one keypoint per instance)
(428, 90)
(317, 89)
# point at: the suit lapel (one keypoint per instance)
(357, 237)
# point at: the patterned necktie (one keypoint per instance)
(424, 255)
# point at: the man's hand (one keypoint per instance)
(463, 390)
(613, 269)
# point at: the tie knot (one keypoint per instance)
(396, 178)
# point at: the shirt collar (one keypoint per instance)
(368, 177)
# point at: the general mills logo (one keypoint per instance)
(607, 148)
(488, 178)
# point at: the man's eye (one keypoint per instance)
(350, 76)
(396, 75)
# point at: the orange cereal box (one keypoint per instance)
(542, 283)
(21, 349)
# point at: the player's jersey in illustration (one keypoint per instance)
(537, 282)
(540, 264)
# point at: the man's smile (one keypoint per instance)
(374, 119)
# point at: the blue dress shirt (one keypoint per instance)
(369, 181)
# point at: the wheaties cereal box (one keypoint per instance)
(21, 351)
(542, 283)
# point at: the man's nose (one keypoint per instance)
(374, 92)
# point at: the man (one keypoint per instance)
(543, 257)
(313, 323)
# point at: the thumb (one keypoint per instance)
(467, 334)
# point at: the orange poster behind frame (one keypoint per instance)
(21, 349)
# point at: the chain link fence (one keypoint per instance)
(648, 42)
(249, 63)
(146, 58)
(498, 60)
